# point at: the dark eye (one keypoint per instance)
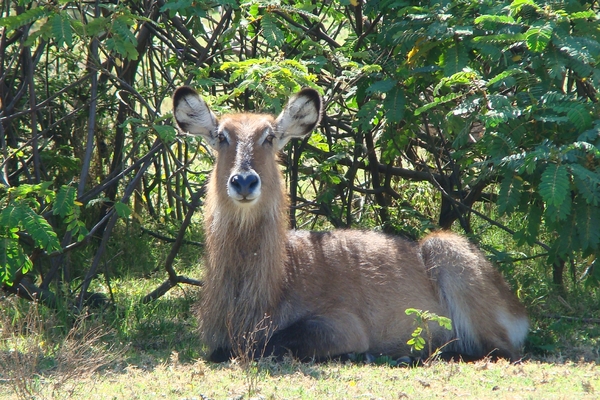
(222, 138)
(269, 139)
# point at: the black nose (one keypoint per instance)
(244, 185)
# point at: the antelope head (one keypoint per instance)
(247, 144)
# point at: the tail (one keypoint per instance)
(487, 318)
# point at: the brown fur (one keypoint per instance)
(331, 293)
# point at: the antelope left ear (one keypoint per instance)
(193, 116)
(300, 116)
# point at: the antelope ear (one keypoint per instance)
(193, 116)
(300, 116)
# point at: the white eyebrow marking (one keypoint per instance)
(266, 132)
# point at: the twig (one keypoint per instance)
(89, 145)
(175, 279)
(110, 225)
(170, 239)
(167, 285)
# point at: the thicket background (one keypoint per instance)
(480, 116)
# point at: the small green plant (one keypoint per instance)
(422, 320)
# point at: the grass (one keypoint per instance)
(200, 380)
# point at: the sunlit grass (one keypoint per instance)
(198, 379)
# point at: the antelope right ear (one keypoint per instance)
(300, 116)
(193, 116)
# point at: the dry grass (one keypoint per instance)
(36, 364)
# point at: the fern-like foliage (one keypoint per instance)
(538, 36)
(587, 183)
(22, 217)
(272, 33)
(122, 40)
(61, 29)
(587, 218)
(555, 184)
(12, 259)
(64, 202)
(510, 194)
(29, 16)
(16, 219)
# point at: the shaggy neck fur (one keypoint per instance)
(244, 265)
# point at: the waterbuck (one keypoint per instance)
(315, 295)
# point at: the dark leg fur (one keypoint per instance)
(304, 340)
(220, 355)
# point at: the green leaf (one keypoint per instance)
(383, 86)
(587, 183)
(11, 216)
(554, 187)
(587, 14)
(417, 342)
(587, 219)
(580, 50)
(166, 132)
(444, 322)
(12, 259)
(556, 214)
(517, 5)
(455, 59)
(591, 135)
(504, 75)
(463, 77)
(64, 201)
(122, 210)
(16, 21)
(61, 29)
(25, 189)
(123, 41)
(495, 19)
(438, 101)
(538, 36)
(510, 194)
(96, 26)
(254, 10)
(121, 25)
(568, 239)
(271, 31)
(534, 221)
(580, 116)
(176, 5)
(23, 217)
(39, 229)
(499, 145)
(394, 105)
(500, 39)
